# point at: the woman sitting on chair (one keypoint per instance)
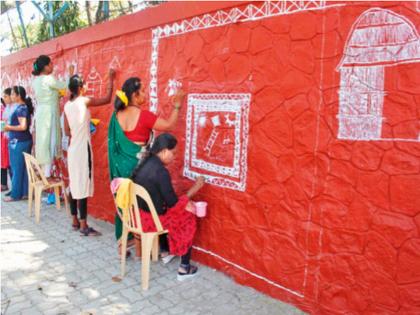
(174, 213)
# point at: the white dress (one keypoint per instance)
(80, 176)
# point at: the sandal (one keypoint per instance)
(76, 227)
(167, 258)
(190, 272)
(10, 199)
(89, 231)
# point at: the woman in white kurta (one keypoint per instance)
(47, 124)
(79, 154)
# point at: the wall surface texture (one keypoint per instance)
(304, 116)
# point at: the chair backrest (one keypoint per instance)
(131, 217)
(35, 173)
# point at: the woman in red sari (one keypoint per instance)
(175, 213)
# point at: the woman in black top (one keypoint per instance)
(174, 213)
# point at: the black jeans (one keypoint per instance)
(4, 176)
(82, 207)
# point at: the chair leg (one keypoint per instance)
(30, 197)
(124, 238)
(38, 192)
(146, 247)
(155, 248)
(57, 197)
(137, 245)
(66, 201)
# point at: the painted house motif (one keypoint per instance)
(380, 38)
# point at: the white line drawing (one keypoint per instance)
(379, 38)
(226, 140)
(19, 80)
(238, 105)
(5, 81)
(93, 83)
(214, 133)
(211, 141)
(251, 12)
(202, 121)
(173, 87)
(115, 63)
(228, 121)
(248, 271)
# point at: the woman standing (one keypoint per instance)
(6, 110)
(47, 117)
(20, 140)
(129, 131)
(79, 154)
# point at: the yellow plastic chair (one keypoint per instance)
(149, 240)
(38, 183)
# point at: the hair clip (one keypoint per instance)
(35, 67)
(121, 95)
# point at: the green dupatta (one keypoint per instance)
(122, 159)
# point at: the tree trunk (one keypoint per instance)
(99, 16)
(15, 43)
(87, 6)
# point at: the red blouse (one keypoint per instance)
(143, 128)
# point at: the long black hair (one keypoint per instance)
(75, 84)
(40, 64)
(163, 141)
(130, 86)
(7, 91)
(20, 90)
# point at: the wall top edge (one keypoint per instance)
(149, 18)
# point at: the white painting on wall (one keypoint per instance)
(211, 119)
(115, 63)
(6, 82)
(379, 38)
(93, 83)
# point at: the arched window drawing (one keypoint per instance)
(379, 38)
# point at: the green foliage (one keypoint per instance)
(68, 21)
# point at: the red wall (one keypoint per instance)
(330, 225)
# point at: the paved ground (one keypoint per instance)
(50, 269)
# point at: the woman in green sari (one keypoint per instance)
(129, 131)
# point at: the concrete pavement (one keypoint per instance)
(50, 269)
